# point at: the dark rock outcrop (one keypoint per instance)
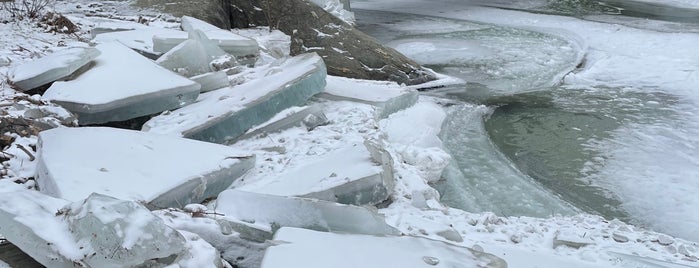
(216, 12)
(347, 51)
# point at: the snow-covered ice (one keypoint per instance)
(230, 42)
(347, 175)
(388, 97)
(51, 67)
(140, 40)
(211, 80)
(122, 85)
(222, 115)
(132, 165)
(275, 211)
(195, 56)
(309, 116)
(115, 26)
(306, 248)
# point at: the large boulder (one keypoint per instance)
(216, 12)
(347, 51)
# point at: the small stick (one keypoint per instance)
(31, 156)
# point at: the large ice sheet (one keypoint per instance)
(194, 56)
(348, 175)
(222, 115)
(228, 41)
(100, 231)
(119, 233)
(115, 26)
(272, 210)
(51, 67)
(306, 248)
(134, 165)
(122, 85)
(140, 40)
(388, 97)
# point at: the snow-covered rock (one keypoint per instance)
(51, 67)
(194, 56)
(131, 165)
(306, 248)
(222, 115)
(122, 85)
(388, 97)
(349, 175)
(275, 211)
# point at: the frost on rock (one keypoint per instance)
(275, 211)
(211, 81)
(339, 8)
(307, 116)
(234, 44)
(51, 67)
(349, 175)
(122, 85)
(310, 249)
(388, 97)
(140, 40)
(222, 115)
(118, 233)
(132, 165)
(194, 56)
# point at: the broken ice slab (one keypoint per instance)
(311, 249)
(194, 56)
(228, 41)
(120, 233)
(211, 81)
(51, 67)
(115, 26)
(348, 175)
(288, 118)
(122, 85)
(140, 40)
(388, 97)
(98, 232)
(275, 211)
(132, 165)
(222, 115)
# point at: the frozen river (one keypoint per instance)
(560, 115)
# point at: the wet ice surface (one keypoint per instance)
(495, 59)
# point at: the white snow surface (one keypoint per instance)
(365, 90)
(52, 67)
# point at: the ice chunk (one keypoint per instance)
(122, 85)
(388, 97)
(222, 115)
(133, 165)
(212, 80)
(348, 175)
(272, 210)
(294, 116)
(120, 233)
(228, 41)
(306, 248)
(115, 26)
(140, 40)
(51, 67)
(193, 56)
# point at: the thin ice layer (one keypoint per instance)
(222, 115)
(51, 67)
(228, 41)
(133, 165)
(306, 248)
(272, 210)
(347, 175)
(122, 85)
(388, 97)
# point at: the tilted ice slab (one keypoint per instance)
(228, 41)
(272, 210)
(306, 248)
(98, 232)
(116, 26)
(309, 116)
(222, 115)
(348, 175)
(122, 85)
(140, 40)
(131, 165)
(211, 80)
(51, 67)
(388, 97)
(194, 56)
